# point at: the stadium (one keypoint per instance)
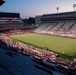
(54, 25)
(53, 40)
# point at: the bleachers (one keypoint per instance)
(41, 27)
(71, 31)
(57, 27)
(61, 28)
(50, 27)
(64, 28)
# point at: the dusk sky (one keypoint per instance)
(31, 8)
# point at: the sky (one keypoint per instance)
(32, 8)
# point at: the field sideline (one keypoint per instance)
(61, 45)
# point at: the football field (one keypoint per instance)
(57, 44)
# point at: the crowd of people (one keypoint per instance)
(36, 52)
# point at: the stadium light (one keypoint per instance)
(57, 8)
(74, 5)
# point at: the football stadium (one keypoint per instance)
(54, 25)
(53, 40)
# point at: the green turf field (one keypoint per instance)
(54, 43)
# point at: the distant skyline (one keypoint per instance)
(31, 8)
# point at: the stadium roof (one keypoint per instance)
(8, 14)
(65, 14)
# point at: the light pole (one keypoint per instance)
(74, 5)
(57, 8)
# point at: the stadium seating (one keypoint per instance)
(59, 25)
(62, 28)
(50, 27)
(41, 27)
(72, 30)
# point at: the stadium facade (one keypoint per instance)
(61, 24)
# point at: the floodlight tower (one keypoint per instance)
(57, 8)
(74, 5)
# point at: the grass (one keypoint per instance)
(62, 45)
